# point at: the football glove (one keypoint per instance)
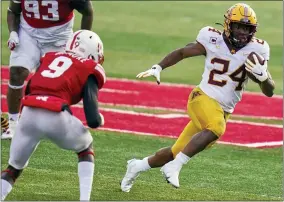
(13, 40)
(257, 69)
(154, 71)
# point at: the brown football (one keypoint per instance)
(260, 60)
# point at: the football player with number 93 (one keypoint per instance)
(37, 27)
(210, 104)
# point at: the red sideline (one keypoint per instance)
(236, 132)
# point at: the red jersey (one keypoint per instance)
(45, 14)
(60, 80)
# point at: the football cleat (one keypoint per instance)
(171, 173)
(131, 174)
(9, 133)
(4, 124)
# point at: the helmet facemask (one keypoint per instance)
(97, 58)
(241, 34)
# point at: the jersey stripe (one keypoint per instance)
(74, 39)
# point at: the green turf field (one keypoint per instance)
(221, 173)
(137, 35)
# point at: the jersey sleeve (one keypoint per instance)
(208, 37)
(202, 35)
(100, 75)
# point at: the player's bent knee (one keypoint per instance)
(218, 127)
(18, 75)
(87, 154)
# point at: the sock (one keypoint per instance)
(6, 188)
(182, 158)
(143, 164)
(85, 173)
(14, 117)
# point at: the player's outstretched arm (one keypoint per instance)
(84, 7)
(267, 86)
(90, 101)
(190, 50)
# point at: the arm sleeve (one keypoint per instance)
(100, 75)
(90, 101)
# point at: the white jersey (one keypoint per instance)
(224, 77)
(57, 34)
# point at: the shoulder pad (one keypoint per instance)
(208, 37)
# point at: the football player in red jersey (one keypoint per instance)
(62, 80)
(37, 27)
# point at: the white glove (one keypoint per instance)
(258, 70)
(154, 71)
(103, 119)
(13, 40)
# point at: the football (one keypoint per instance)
(260, 60)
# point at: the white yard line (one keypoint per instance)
(107, 90)
(254, 145)
(181, 85)
(250, 145)
(169, 116)
(183, 111)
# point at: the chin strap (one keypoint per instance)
(217, 23)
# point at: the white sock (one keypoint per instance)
(85, 173)
(14, 117)
(6, 188)
(182, 158)
(143, 164)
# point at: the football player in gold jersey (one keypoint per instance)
(209, 105)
